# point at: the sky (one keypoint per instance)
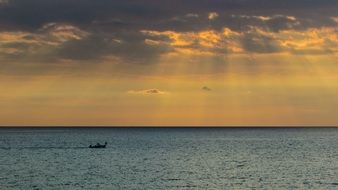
(168, 62)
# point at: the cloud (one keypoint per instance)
(42, 45)
(205, 88)
(259, 43)
(141, 32)
(208, 42)
(3, 2)
(63, 32)
(273, 23)
(335, 19)
(310, 41)
(150, 14)
(96, 47)
(148, 92)
(212, 15)
(55, 41)
(192, 15)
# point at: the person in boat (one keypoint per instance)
(98, 145)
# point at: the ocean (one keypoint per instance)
(169, 158)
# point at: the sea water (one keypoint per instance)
(164, 158)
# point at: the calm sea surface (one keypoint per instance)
(169, 159)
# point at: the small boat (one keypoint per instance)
(98, 145)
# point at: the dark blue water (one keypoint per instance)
(169, 159)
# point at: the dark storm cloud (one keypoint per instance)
(114, 26)
(133, 50)
(32, 14)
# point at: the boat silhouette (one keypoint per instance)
(98, 145)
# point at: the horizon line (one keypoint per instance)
(169, 126)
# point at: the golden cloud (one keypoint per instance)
(49, 36)
(314, 39)
(202, 42)
(153, 91)
(211, 42)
